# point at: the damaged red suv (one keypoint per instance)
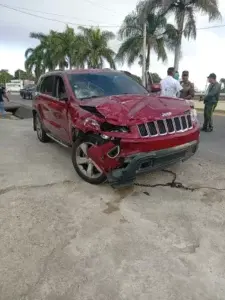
(115, 127)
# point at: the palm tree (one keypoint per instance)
(66, 48)
(47, 48)
(34, 61)
(185, 16)
(95, 48)
(160, 36)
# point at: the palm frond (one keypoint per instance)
(38, 35)
(130, 49)
(190, 24)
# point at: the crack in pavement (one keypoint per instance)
(177, 185)
(172, 184)
(24, 187)
(40, 278)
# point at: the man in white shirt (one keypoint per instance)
(170, 87)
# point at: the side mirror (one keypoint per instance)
(155, 88)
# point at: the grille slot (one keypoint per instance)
(170, 126)
(162, 127)
(177, 124)
(184, 123)
(189, 121)
(166, 126)
(152, 128)
(142, 129)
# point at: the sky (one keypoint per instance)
(200, 57)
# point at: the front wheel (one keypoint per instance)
(84, 165)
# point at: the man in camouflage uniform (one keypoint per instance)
(188, 91)
(210, 100)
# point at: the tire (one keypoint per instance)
(97, 176)
(41, 134)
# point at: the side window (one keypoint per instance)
(47, 85)
(60, 90)
(39, 84)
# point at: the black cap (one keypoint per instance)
(212, 75)
(185, 73)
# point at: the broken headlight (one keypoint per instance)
(194, 115)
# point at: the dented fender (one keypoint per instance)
(98, 153)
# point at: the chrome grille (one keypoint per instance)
(166, 126)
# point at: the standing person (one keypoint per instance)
(2, 96)
(210, 100)
(188, 91)
(170, 87)
(176, 75)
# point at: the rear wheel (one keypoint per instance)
(84, 165)
(41, 134)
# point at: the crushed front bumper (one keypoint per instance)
(146, 162)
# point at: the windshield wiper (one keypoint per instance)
(91, 97)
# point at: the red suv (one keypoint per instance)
(115, 128)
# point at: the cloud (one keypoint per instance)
(200, 57)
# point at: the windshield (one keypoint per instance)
(94, 85)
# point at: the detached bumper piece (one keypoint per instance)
(146, 162)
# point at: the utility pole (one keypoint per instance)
(144, 55)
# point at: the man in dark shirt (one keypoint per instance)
(210, 100)
(2, 96)
(188, 91)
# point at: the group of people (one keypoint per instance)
(172, 87)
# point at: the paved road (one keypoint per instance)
(212, 144)
(64, 239)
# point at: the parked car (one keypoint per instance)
(28, 92)
(115, 127)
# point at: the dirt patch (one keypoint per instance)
(21, 112)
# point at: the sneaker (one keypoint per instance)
(209, 130)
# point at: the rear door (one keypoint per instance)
(44, 99)
(58, 110)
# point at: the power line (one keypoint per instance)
(100, 5)
(54, 20)
(47, 13)
(85, 25)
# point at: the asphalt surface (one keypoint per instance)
(63, 239)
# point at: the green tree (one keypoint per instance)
(5, 77)
(185, 12)
(20, 74)
(95, 47)
(46, 49)
(160, 36)
(66, 48)
(155, 77)
(34, 61)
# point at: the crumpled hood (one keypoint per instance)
(130, 109)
